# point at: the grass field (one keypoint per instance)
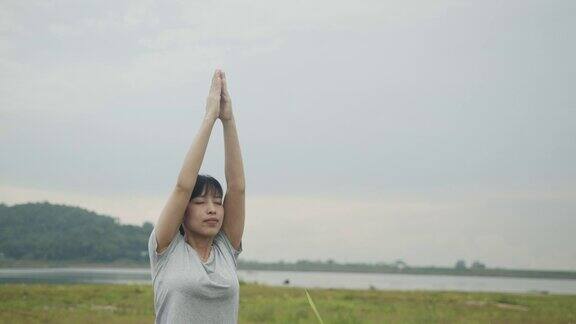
(81, 303)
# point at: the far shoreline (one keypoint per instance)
(432, 271)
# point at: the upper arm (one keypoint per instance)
(234, 215)
(171, 217)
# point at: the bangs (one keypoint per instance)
(207, 185)
(211, 189)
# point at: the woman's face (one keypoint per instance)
(201, 212)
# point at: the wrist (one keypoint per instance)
(210, 118)
(227, 120)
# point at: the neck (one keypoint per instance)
(201, 244)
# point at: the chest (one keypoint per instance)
(186, 275)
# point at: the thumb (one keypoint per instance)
(216, 87)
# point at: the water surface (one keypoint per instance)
(310, 279)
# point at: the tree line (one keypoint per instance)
(53, 232)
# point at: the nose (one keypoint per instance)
(212, 208)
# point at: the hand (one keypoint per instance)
(225, 101)
(214, 96)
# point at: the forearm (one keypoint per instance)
(195, 156)
(234, 168)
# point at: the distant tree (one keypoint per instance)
(478, 265)
(460, 265)
(399, 264)
(147, 226)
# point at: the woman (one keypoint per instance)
(197, 239)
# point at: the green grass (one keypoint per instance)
(82, 303)
(313, 307)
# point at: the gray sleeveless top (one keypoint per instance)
(187, 290)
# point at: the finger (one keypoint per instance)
(216, 82)
(217, 75)
(224, 83)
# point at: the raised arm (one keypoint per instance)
(234, 201)
(173, 213)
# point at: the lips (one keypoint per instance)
(211, 220)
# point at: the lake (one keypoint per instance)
(310, 279)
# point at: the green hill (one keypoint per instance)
(52, 232)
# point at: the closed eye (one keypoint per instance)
(217, 202)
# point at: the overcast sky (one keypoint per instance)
(428, 131)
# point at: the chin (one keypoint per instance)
(213, 230)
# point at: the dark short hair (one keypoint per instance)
(205, 184)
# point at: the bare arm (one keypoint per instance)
(234, 201)
(173, 213)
